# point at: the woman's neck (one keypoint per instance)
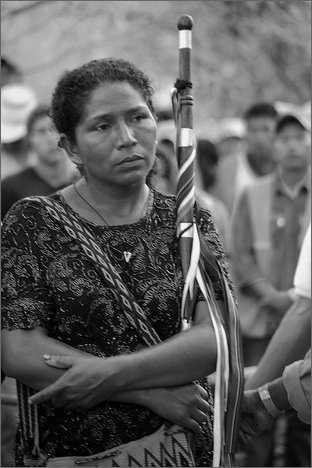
(117, 205)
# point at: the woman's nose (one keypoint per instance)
(125, 136)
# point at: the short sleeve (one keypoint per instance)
(26, 302)
(302, 278)
(297, 381)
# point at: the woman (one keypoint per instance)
(110, 388)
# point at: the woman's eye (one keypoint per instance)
(102, 127)
(139, 117)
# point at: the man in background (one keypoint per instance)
(283, 379)
(230, 136)
(207, 160)
(237, 171)
(17, 102)
(52, 171)
(268, 225)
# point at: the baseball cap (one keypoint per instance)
(293, 117)
(17, 102)
(166, 130)
(230, 127)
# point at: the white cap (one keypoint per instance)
(230, 127)
(17, 102)
(166, 130)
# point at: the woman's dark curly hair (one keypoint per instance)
(74, 87)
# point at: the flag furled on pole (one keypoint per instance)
(199, 265)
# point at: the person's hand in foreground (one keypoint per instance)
(255, 418)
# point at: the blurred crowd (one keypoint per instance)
(253, 176)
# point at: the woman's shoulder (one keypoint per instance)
(27, 203)
(29, 224)
(208, 227)
(168, 203)
(25, 209)
(204, 216)
(164, 198)
(164, 204)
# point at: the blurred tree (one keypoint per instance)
(242, 50)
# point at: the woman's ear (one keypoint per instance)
(70, 148)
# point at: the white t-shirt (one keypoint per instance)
(302, 278)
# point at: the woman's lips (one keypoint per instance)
(131, 159)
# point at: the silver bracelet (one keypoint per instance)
(267, 401)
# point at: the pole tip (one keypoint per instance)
(185, 22)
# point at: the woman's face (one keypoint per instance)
(116, 136)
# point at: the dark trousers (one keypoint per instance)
(298, 441)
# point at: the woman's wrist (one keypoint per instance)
(121, 376)
(128, 371)
(161, 365)
(141, 397)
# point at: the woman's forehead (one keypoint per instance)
(111, 98)
(114, 95)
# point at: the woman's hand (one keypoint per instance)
(87, 382)
(90, 380)
(185, 405)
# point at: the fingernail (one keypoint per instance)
(47, 356)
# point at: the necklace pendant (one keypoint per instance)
(127, 256)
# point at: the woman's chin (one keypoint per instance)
(131, 178)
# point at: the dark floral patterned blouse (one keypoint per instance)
(47, 281)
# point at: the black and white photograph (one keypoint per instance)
(156, 233)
